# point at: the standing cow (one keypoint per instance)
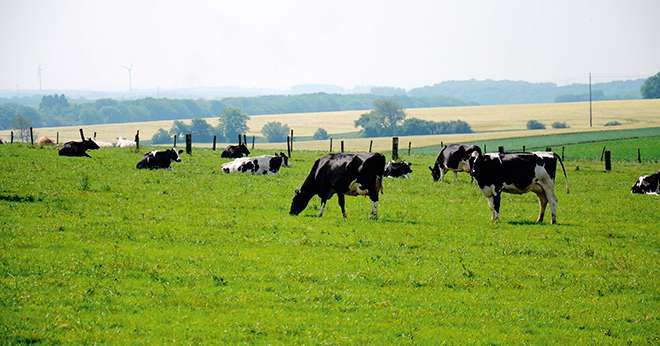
(159, 159)
(350, 174)
(455, 158)
(517, 173)
(78, 148)
(235, 151)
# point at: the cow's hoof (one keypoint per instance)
(373, 217)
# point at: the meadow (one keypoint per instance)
(96, 251)
(488, 122)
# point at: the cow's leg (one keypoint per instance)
(373, 195)
(323, 201)
(443, 171)
(543, 202)
(496, 206)
(548, 188)
(340, 198)
(455, 176)
(86, 154)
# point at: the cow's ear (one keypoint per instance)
(180, 151)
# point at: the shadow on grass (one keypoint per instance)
(534, 223)
(18, 198)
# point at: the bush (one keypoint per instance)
(320, 134)
(535, 125)
(414, 126)
(560, 125)
(161, 137)
(612, 123)
(275, 131)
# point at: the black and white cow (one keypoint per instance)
(517, 173)
(266, 164)
(235, 151)
(78, 148)
(159, 159)
(647, 184)
(455, 158)
(398, 169)
(350, 174)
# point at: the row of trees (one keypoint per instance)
(388, 119)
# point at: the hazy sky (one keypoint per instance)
(276, 44)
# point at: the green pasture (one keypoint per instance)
(96, 251)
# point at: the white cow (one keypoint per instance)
(125, 143)
(266, 164)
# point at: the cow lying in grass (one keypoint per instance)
(266, 164)
(343, 174)
(517, 173)
(159, 159)
(647, 184)
(398, 169)
(78, 149)
(235, 151)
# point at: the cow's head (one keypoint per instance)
(475, 162)
(285, 159)
(173, 154)
(90, 144)
(406, 167)
(435, 171)
(646, 184)
(299, 203)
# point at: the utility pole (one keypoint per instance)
(590, 113)
(130, 77)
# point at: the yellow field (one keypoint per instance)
(489, 122)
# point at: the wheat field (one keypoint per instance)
(488, 122)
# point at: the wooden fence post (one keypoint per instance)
(94, 134)
(484, 148)
(330, 144)
(245, 139)
(214, 139)
(500, 149)
(175, 136)
(409, 147)
(548, 149)
(442, 144)
(523, 149)
(189, 143)
(371, 144)
(31, 136)
(252, 142)
(602, 153)
(57, 137)
(562, 153)
(82, 135)
(291, 142)
(639, 156)
(342, 146)
(137, 140)
(608, 160)
(11, 140)
(288, 146)
(395, 148)
(239, 139)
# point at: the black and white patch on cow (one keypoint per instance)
(396, 169)
(455, 158)
(517, 173)
(266, 164)
(353, 174)
(647, 184)
(78, 149)
(235, 151)
(159, 159)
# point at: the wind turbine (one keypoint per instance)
(39, 71)
(129, 69)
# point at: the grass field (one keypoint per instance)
(499, 121)
(95, 251)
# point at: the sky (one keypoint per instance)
(278, 44)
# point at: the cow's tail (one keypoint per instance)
(568, 189)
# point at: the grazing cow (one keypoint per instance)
(344, 174)
(647, 184)
(266, 164)
(43, 140)
(78, 148)
(517, 173)
(125, 143)
(398, 169)
(455, 158)
(159, 159)
(235, 151)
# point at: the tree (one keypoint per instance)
(161, 137)
(535, 125)
(232, 122)
(384, 120)
(651, 87)
(179, 128)
(275, 131)
(320, 134)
